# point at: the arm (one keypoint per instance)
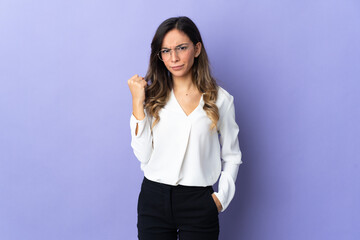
(141, 138)
(231, 156)
(140, 122)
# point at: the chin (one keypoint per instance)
(179, 73)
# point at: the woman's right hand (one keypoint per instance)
(137, 86)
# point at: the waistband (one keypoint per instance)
(163, 186)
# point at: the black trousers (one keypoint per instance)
(166, 212)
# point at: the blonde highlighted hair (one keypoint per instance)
(159, 78)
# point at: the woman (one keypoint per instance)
(182, 125)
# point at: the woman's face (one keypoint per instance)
(178, 53)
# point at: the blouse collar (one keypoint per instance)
(173, 104)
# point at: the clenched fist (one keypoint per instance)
(137, 86)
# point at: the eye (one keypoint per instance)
(165, 51)
(182, 48)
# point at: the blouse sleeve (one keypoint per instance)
(141, 138)
(230, 154)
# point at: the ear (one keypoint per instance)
(197, 49)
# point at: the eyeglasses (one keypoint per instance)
(165, 54)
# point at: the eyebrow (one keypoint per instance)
(177, 45)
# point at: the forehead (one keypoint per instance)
(174, 38)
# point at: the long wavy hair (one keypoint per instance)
(160, 81)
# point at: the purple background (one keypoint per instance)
(67, 170)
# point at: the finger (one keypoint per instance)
(135, 76)
(137, 83)
(134, 79)
(139, 79)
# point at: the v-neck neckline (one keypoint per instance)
(179, 105)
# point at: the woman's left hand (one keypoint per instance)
(217, 202)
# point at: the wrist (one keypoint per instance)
(217, 202)
(138, 100)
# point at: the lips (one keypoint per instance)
(177, 68)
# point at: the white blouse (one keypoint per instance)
(181, 149)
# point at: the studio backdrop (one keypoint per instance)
(67, 170)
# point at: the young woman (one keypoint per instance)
(182, 126)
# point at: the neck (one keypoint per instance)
(183, 83)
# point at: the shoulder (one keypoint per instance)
(224, 99)
(224, 102)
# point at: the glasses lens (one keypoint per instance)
(165, 54)
(159, 56)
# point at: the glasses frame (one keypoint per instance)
(174, 49)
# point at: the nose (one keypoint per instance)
(174, 55)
